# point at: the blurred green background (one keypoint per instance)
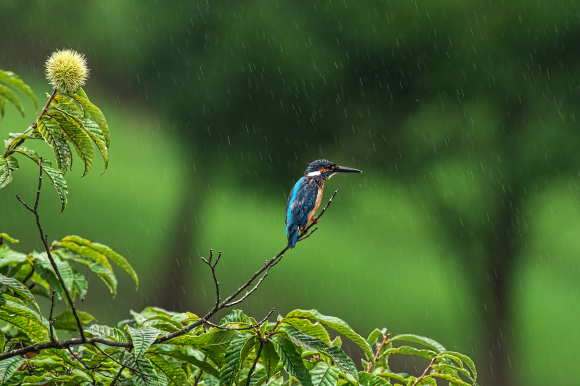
(462, 114)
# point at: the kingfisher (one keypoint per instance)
(306, 195)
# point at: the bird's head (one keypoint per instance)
(326, 169)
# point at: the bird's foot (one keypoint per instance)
(315, 220)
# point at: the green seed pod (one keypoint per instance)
(67, 70)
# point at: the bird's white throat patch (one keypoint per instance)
(313, 174)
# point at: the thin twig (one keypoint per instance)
(50, 321)
(224, 304)
(425, 372)
(119, 363)
(321, 213)
(200, 373)
(33, 126)
(378, 353)
(257, 325)
(118, 375)
(262, 343)
(52, 262)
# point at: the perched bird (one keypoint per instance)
(306, 195)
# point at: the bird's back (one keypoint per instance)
(301, 203)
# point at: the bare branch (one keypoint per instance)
(47, 248)
(262, 343)
(118, 375)
(228, 302)
(50, 321)
(425, 372)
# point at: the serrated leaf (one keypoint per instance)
(62, 266)
(309, 328)
(24, 319)
(173, 373)
(338, 325)
(7, 166)
(61, 101)
(324, 375)
(452, 380)
(96, 134)
(11, 97)
(374, 336)
(10, 257)
(80, 285)
(367, 379)
(291, 360)
(400, 377)
(233, 358)
(269, 358)
(105, 251)
(142, 370)
(467, 360)
(448, 369)
(210, 380)
(8, 367)
(142, 337)
(421, 340)
(95, 113)
(67, 322)
(178, 355)
(96, 263)
(236, 316)
(408, 350)
(106, 332)
(15, 81)
(314, 344)
(51, 131)
(20, 289)
(77, 136)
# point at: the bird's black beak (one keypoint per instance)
(344, 169)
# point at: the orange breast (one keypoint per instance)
(317, 204)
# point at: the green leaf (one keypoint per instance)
(309, 328)
(9, 95)
(324, 375)
(2, 336)
(142, 337)
(229, 370)
(106, 332)
(338, 325)
(291, 360)
(467, 360)
(421, 340)
(452, 380)
(178, 355)
(94, 112)
(367, 379)
(7, 166)
(374, 336)
(10, 257)
(408, 350)
(51, 131)
(24, 319)
(96, 134)
(104, 251)
(80, 284)
(55, 175)
(96, 263)
(142, 370)
(62, 266)
(400, 377)
(174, 374)
(8, 367)
(450, 369)
(210, 380)
(15, 81)
(269, 358)
(64, 103)
(77, 136)
(20, 289)
(236, 316)
(2, 106)
(314, 344)
(67, 322)
(4, 236)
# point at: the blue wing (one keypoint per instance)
(301, 202)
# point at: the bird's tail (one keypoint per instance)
(292, 237)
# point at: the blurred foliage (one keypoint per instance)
(461, 114)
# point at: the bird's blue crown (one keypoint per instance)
(322, 166)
